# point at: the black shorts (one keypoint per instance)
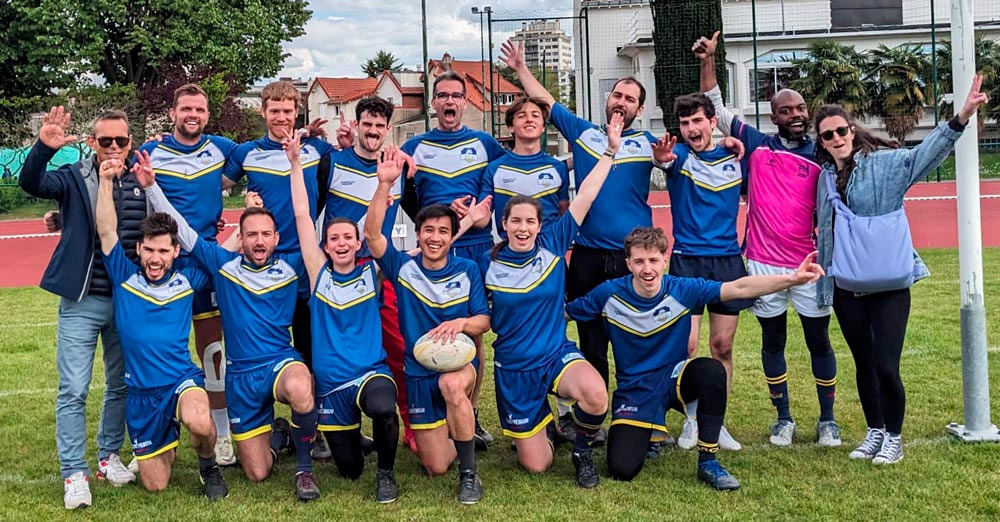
(723, 268)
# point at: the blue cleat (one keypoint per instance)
(713, 474)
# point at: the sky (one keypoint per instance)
(343, 34)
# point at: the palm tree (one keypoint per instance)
(987, 62)
(382, 61)
(896, 87)
(831, 73)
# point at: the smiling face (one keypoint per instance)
(189, 116)
(342, 244)
(434, 238)
(449, 102)
(279, 117)
(790, 114)
(647, 265)
(697, 130)
(522, 225)
(258, 237)
(528, 123)
(372, 130)
(837, 137)
(115, 129)
(624, 99)
(156, 256)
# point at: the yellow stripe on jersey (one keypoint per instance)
(530, 287)
(158, 302)
(704, 185)
(511, 193)
(436, 172)
(262, 291)
(345, 305)
(428, 302)
(200, 173)
(647, 334)
(449, 147)
(179, 153)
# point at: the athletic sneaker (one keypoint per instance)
(712, 473)
(891, 451)
(689, 434)
(727, 442)
(586, 471)
(367, 445)
(112, 470)
(653, 450)
(566, 429)
(224, 454)
(782, 432)
(483, 437)
(600, 437)
(215, 485)
(828, 434)
(133, 465)
(386, 489)
(871, 445)
(321, 449)
(306, 487)
(76, 491)
(470, 489)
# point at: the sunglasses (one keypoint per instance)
(121, 141)
(841, 131)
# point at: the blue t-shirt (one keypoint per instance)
(191, 178)
(537, 175)
(647, 335)
(450, 165)
(346, 329)
(353, 181)
(257, 303)
(527, 293)
(622, 203)
(427, 298)
(705, 201)
(153, 320)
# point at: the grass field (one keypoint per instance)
(939, 478)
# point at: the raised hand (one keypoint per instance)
(512, 54)
(808, 271)
(390, 165)
(54, 127)
(704, 48)
(480, 211)
(346, 132)
(315, 128)
(292, 145)
(461, 205)
(975, 100)
(253, 200)
(734, 145)
(663, 149)
(615, 131)
(142, 168)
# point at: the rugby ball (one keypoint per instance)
(442, 356)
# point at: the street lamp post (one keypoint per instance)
(482, 56)
(489, 26)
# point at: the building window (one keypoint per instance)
(774, 72)
(409, 135)
(865, 13)
(730, 88)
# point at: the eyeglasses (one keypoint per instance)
(443, 96)
(121, 141)
(841, 131)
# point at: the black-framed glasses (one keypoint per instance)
(443, 96)
(121, 141)
(841, 131)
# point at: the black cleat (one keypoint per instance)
(470, 489)
(215, 485)
(483, 438)
(586, 471)
(306, 487)
(386, 489)
(367, 444)
(566, 429)
(282, 431)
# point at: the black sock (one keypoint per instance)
(303, 433)
(587, 426)
(824, 362)
(206, 464)
(466, 455)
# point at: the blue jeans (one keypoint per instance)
(76, 345)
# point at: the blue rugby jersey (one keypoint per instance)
(621, 205)
(266, 166)
(427, 298)
(527, 293)
(537, 175)
(153, 320)
(191, 177)
(353, 181)
(450, 165)
(646, 335)
(704, 201)
(346, 329)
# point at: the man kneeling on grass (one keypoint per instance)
(153, 315)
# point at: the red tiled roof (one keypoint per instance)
(342, 90)
(473, 71)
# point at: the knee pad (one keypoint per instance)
(214, 382)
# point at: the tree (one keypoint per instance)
(34, 59)
(551, 78)
(895, 86)
(382, 61)
(987, 60)
(832, 73)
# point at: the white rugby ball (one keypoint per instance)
(442, 356)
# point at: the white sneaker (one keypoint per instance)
(133, 466)
(224, 455)
(727, 442)
(871, 445)
(828, 434)
(76, 491)
(891, 451)
(782, 433)
(689, 434)
(321, 450)
(112, 470)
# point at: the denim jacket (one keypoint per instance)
(876, 187)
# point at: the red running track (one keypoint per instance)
(930, 207)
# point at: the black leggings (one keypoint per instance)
(704, 380)
(589, 267)
(378, 402)
(874, 327)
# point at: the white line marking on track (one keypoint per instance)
(914, 198)
(56, 234)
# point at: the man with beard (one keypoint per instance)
(189, 166)
(620, 207)
(781, 202)
(450, 161)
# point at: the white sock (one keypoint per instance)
(221, 419)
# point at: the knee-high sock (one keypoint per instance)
(772, 356)
(303, 433)
(587, 426)
(824, 362)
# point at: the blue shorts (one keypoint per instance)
(722, 268)
(153, 416)
(472, 251)
(522, 401)
(205, 303)
(643, 401)
(340, 410)
(425, 403)
(250, 395)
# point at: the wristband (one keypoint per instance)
(609, 153)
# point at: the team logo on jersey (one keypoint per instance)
(632, 147)
(661, 314)
(626, 410)
(546, 179)
(729, 170)
(502, 275)
(516, 422)
(361, 287)
(205, 157)
(596, 139)
(453, 288)
(537, 266)
(346, 182)
(508, 180)
(175, 282)
(275, 273)
(468, 154)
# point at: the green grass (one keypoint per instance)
(940, 478)
(989, 167)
